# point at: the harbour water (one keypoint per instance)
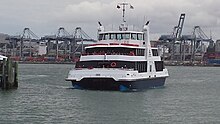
(190, 96)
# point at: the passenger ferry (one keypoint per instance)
(121, 60)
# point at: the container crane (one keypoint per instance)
(200, 39)
(80, 36)
(66, 41)
(26, 36)
(29, 36)
(175, 36)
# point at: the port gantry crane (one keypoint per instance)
(174, 37)
(22, 45)
(13, 43)
(196, 40)
(18, 41)
(200, 39)
(62, 40)
(80, 37)
(67, 42)
(27, 36)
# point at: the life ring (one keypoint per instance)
(113, 64)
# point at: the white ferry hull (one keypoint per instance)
(110, 84)
(120, 80)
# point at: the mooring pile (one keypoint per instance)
(8, 74)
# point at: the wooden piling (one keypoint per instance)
(4, 74)
(9, 73)
(16, 74)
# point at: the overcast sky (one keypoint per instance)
(44, 17)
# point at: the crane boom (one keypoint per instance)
(179, 27)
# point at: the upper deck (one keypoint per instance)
(120, 37)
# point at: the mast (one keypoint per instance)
(123, 26)
(123, 5)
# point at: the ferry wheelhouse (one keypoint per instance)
(121, 60)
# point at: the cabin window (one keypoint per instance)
(134, 36)
(111, 51)
(159, 65)
(100, 36)
(126, 36)
(155, 52)
(106, 37)
(146, 67)
(112, 37)
(141, 66)
(119, 36)
(139, 36)
(140, 52)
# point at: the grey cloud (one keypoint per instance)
(45, 16)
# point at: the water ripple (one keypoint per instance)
(44, 97)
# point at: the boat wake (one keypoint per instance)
(27, 77)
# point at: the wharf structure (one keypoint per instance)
(60, 47)
(185, 49)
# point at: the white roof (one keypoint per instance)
(2, 57)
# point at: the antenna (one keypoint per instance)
(123, 5)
